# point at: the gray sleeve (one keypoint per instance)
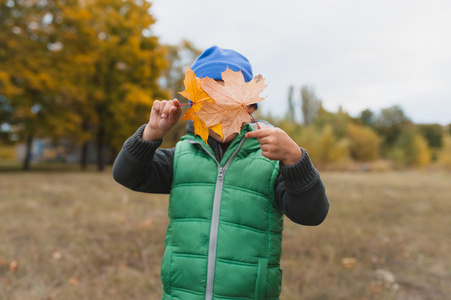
(300, 192)
(142, 167)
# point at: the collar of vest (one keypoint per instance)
(215, 149)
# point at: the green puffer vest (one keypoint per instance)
(224, 238)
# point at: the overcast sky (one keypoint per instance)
(355, 54)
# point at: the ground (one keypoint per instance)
(80, 235)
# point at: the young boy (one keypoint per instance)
(228, 197)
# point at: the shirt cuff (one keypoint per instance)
(141, 149)
(301, 174)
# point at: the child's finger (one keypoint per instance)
(175, 106)
(256, 133)
(175, 112)
(164, 110)
(156, 106)
(265, 148)
(176, 103)
(163, 106)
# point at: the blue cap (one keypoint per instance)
(215, 60)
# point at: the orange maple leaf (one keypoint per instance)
(194, 92)
(230, 100)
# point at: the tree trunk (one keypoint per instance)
(310, 105)
(113, 155)
(84, 147)
(84, 156)
(291, 115)
(28, 148)
(100, 146)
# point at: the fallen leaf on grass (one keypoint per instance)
(146, 223)
(376, 287)
(14, 265)
(122, 219)
(122, 266)
(74, 280)
(56, 255)
(348, 262)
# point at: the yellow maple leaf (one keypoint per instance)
(194, 92)
(230, 101)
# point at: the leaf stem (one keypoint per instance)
(255, 121)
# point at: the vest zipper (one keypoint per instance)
(220, 173)
(215, 217)
(214, 233)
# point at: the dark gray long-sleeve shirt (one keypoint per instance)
(300, 193)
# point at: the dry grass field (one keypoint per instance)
(75, 235)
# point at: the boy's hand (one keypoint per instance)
(276, 144)
(163, 116)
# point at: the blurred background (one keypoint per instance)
(350, 81)
(364, 87)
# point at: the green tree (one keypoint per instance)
(433, 133)
(338, 121)
(444, 155)
(390, 123)
(367, 117)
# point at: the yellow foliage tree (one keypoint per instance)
(422, 152)
(26, 72)
(331, 149)
(110, 64)
(84, 69)
(323, 147)
(364, 143)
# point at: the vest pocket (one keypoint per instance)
(166, 269)
(262, 275)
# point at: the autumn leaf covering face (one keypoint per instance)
(222, 108)
(194, 92)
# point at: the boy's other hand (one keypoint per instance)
(276, 144)
(163, 116)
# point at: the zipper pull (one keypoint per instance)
(220, 173)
